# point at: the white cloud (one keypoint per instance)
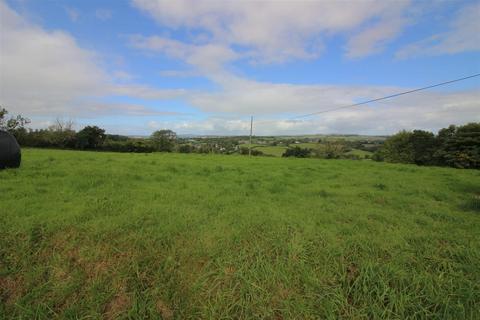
(275, 106)
(43, 70)
(245, 97)
(276, 31)
(146, 92)
(431, 112)
(208, 58)
(463, 36)
(285, 31)
(375, 38)
(96, 109)
(122, 76)
(46, 73)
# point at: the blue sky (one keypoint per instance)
(203, 67)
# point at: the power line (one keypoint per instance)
(376, 99)
(386, 97)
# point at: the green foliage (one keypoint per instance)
(331, 149)
(164, 140)
(89, 235)
(116, 137)
(297, 152)
(460, 146)
(47, 138)
(253, 151)
(453, 146)
(90, 137)
(275, 151)
(423, 147)
(185, 148)
(398, 148)
(12, 124)
(129, 145)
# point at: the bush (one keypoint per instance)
(254, 152)
(130, 145)
(185, 148)
(331, 150)
(297, 152)
(351, 156)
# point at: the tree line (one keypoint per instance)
(61, 135)
(455, 146)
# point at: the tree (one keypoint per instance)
(459, 146)
(398, 148)
(13, 123)
(297, 152)
(253, 151)
(330, 149)
(453, 146)
(164, 140)
(185, 148)
(423, 147)
(90, 137)
(61, 134)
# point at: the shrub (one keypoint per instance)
(185, 148)
(297, 152)
(253, 152)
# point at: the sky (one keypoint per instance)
(204, 67)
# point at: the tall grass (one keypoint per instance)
(92, 235)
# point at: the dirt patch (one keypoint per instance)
(98, 268)
(10, 289)
(61, 274)
(380, 200)
(284, 293)
(229, 270)
(280, 294)
(352, 272)
(118, 305)
(164, 310)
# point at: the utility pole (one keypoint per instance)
(251, 130)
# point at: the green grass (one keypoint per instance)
(276, 151)
(360, 153)
(87, 235)
(306, 145)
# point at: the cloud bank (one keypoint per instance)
(275, 31)
(46, 73)
(463, 36)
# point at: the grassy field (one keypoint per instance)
(87, 235)
(276, 151)
(360, 153)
